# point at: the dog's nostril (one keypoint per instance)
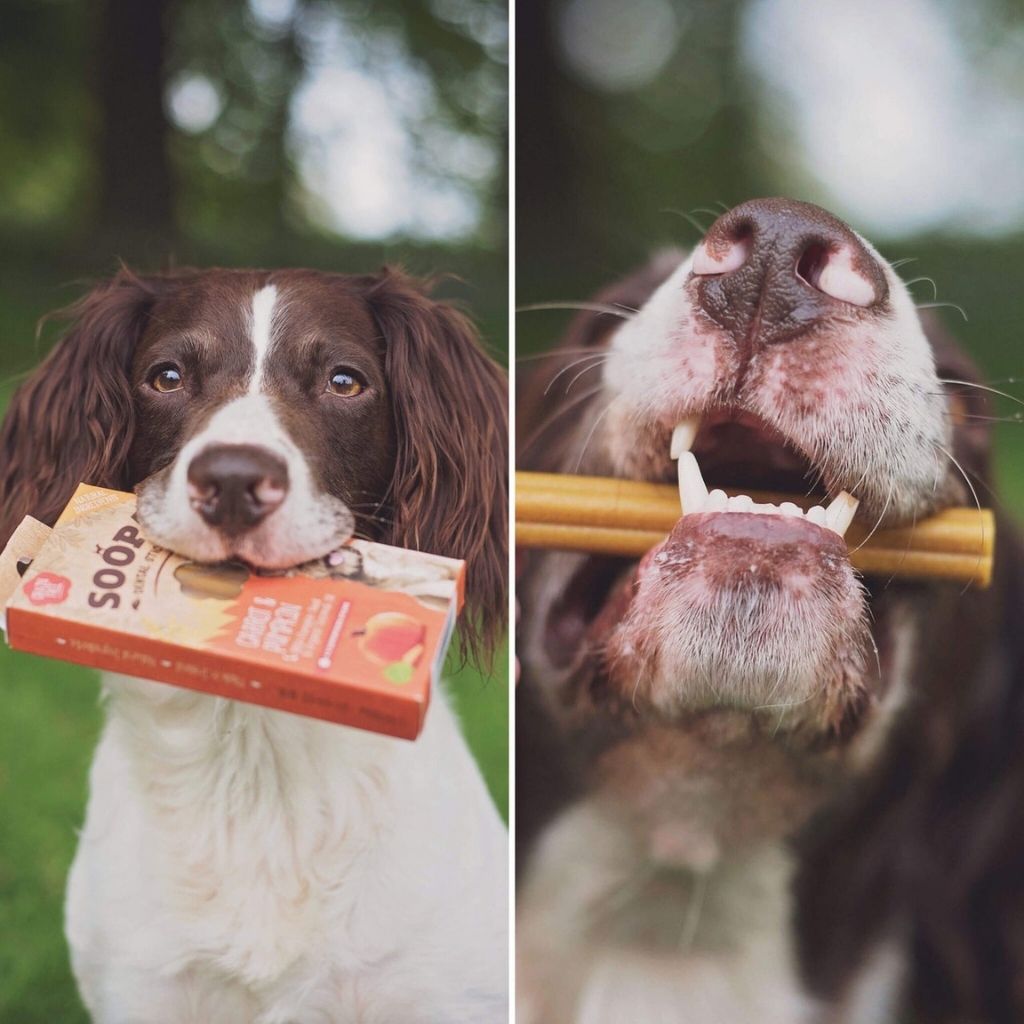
(269, 492)
(721, 256)
(234, 487)
(811, 263)
(201, 493)
(832, 271)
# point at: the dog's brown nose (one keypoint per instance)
(235, 486)
(770, 268)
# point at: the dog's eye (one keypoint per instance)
(346, 383)
(167, 378)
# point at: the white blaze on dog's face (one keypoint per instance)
(783, 355)
(263, 421)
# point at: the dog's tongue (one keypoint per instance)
(766, 535)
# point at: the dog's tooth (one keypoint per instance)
(718, 501)
(692, 492)
(787, 508)
(741, 503)
(840, 512)
(817, 515)
(683, 435)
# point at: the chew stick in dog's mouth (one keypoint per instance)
(626, 517)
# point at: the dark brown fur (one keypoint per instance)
(423, 463)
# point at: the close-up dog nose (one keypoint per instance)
(236, 486)
(770, 268)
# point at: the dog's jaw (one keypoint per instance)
(738, 611)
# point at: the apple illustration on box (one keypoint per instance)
(394, 640)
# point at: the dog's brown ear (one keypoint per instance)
(72, 420)
(449, 493)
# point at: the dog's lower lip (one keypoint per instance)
(769, 530)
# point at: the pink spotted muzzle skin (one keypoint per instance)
(743, 611)
(784, 315)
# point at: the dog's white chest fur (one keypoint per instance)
(605, 935)
(239, 864)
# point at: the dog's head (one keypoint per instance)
(783, 354)
(266, 416)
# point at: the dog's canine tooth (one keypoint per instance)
(683, 435)
(840, 512)
(692, 491)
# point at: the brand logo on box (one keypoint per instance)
(47, 588)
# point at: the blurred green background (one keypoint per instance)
(338, 134)
(634, 122)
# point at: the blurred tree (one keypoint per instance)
(135, 186)
(593, 154)
(139, 129)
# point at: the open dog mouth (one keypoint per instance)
(785, 369)
(747, 603)
(740, 451)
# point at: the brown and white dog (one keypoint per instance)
(239, 864)
(752, 786)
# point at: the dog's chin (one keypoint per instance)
(742, 611)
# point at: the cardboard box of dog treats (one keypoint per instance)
(358, 640)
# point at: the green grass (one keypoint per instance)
(48, 727)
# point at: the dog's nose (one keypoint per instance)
(235, 486)
(770, 268)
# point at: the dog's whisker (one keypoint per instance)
(714, 214)
(701, 230)
(586, 307)
(1017, 417)
(982, 387)
(878, 522)
(920, 280)
(944, 305)
(600, 357)
(593, 430)
(556, 353)
(526, 447)
(949, 455)
(585, 370)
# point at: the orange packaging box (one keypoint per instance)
(361, 642)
